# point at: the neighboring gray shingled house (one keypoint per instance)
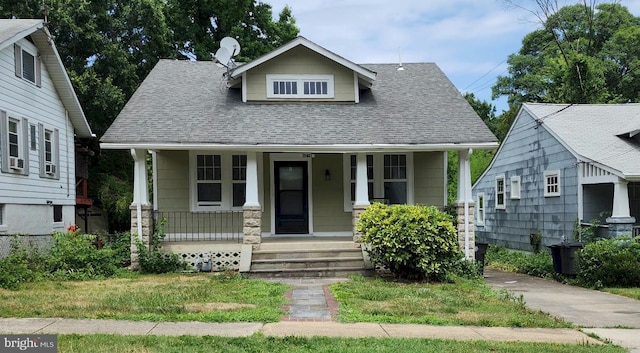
(299, 141)
(559, 164)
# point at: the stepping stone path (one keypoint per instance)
(310, 299)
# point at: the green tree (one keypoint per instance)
(199, 25)
(585, 53)
(108, 47)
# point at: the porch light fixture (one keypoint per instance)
(327, 175)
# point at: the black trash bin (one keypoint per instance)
(480, 250)
(565, 257)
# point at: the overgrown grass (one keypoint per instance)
(259, 343)
(466, 302)
(633, 293)
(535, 264)
(168, 297)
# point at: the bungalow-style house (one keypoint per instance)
(287, 150)
(561, 164)
(40, 120)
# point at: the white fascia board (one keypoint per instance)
(302, 148)
(368, 74)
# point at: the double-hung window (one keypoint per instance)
(300, 86)
(209, 180)
(27, 64)
(49, 152)
(14, 137)
(389, 178)
(500, 199)
(218, 181)
(480, 209)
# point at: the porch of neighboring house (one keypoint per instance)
(291, 222)
(613, 203)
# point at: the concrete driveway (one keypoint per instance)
(609, 316)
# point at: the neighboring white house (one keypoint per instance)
(40, 117)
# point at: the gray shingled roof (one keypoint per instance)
(187, 102)
(12, 28)
(596, 132)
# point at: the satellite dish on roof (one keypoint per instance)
(231, 45)
(223, 56)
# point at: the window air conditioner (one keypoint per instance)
(16, 163)
(50, 168)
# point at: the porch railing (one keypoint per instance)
(201, 226)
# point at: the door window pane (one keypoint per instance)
(291, 178)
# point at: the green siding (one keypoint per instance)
(328, 201)
(429, 178)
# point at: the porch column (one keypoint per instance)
(141, 210)
(465, 206)
(362, 194)
(620, 222)
(251, 210)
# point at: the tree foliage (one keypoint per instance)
(109, 46)
(584, 53)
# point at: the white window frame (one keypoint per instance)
(548, 175)
(18, 133)
(480, 208)
(21, 161)
(20, 60)
(299, 81)
(515, 188)
(226, 181)
(242, 179)
(49, 156)
(503, 192)
(378, 178)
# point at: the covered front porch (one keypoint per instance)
(609, 199)
(235, 202)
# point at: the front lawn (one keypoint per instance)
(465, 302)
(633, 293)
(169, 297)
(259, 343)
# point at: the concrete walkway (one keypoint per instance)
(607, 315)
(291, 328)
(310, 299)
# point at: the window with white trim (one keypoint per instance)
(515, 187)
(480, 208)
(551, 183)
(218, 181)
(49, 152)
(27, 64)
(389, 178)
(239, 179)
(500, 199)
(300, 86)
(14, 137)
(395, 178)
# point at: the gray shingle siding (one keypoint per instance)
(527, 152)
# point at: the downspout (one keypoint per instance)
(66, 137)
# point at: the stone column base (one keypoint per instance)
(252, 226)
(460, 220)
(355, 214)
(147, 230)
(619, 226)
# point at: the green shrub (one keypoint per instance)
(416, 242)
(154, 261)
(120, 244)
(16, 267)
(537, 264)
(610, 263)
(75, 256)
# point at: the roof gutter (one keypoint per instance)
(343, 148)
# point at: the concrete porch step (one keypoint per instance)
(305, 254)
(291, 244)
(310, 272)
(305, 263)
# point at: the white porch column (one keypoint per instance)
(251, 210)
(362, 194)
(464, 205)
(252, 198)
(620, 199)
(141, 210)
(362, 184)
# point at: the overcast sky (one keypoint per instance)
(470, 40)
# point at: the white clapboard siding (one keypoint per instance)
(23, 99)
